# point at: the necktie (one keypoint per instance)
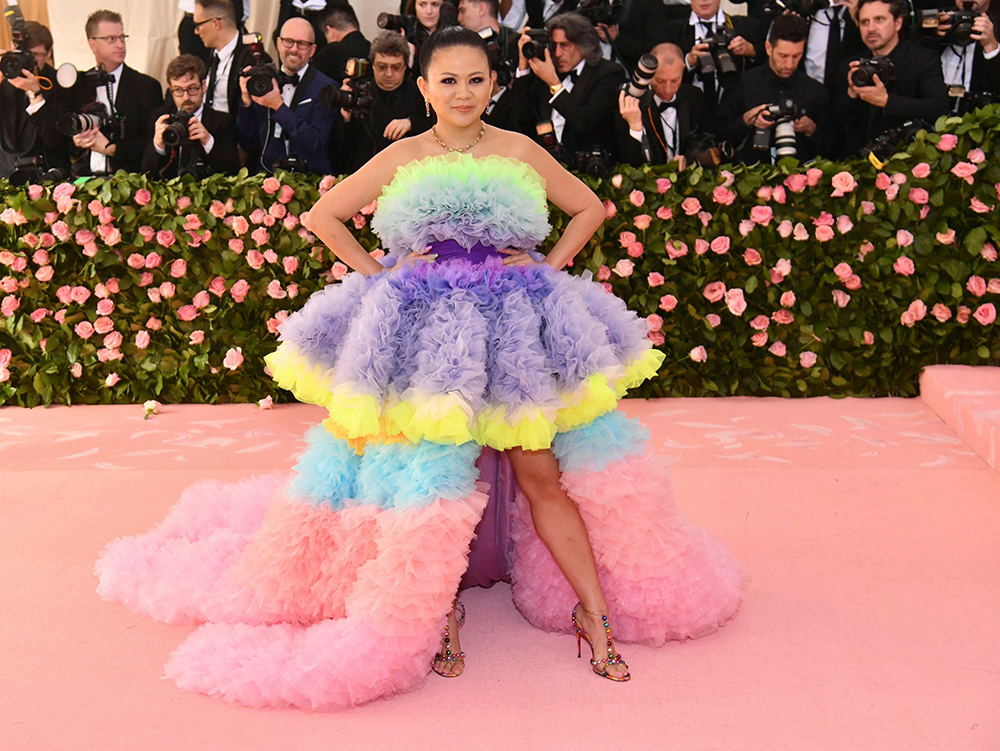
(213, 72)
(833, 47)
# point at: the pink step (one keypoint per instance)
(967, 398)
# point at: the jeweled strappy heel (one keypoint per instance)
(447, 657)
(600, 666)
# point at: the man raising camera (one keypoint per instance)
(187, 135)
(759, 103)
(395, 108)
(344, 40)
(659, 127)
(482, 16)
(566, 91)
(215, 23)
(27, 140)
(902, 82)
(970, 59)
(288, 124)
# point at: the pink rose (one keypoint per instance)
(853, 282)
(908, 318)
(141, 339)
(218, 286)
(187, 313)
(626, 238)
(759, 339)
(784, 317)
(255, 258)
(9, 306)
(616, 180)
(61, 230)
(9, 284)
(259, 235)
(637, 197)
(84, 329)
(635, 249)
(796, 183)
(603, 273)
(84, 236)
(842, 270)
(662, 185)
(691, 206)
(31, 240)
(277, 211)
(704, 217)
(642, 221)
(751, 257)
(178, 268)
(883, 181)
(963, 314)
(217, 209)
(941, 312)
(761, 215)
(111, 380)
(904, 238)
(152, 260)
(136, 261)
(147, 232)
(143, 196)
(340, 270)
(785, 229)
(146, 278)
(653, 322)
(668, 303)
(778, 195)
(807, 359)
(899, 178)
(609, 208)
(165, 238)
(713, 320)
(106, 216)
(271, 185)
(65, 294)
(113, 237)
(714, 291)
(168, 290)
(665, 213)
(234, 357)
(800, 232)
(843, 182)
(824, 234)
(979, 207)
(720, 245)
(948, 142)
(239, 290)
(326, 183)
(270, 256)
(985, 314)
(976, 156)
(655, 279)
(701, 246)
(192, 222)
(994, 286)
(777, 349)
(80, 295)
(624, 267)
(787, 299)
(764, 192)
(44, 274)
(153, 293)
(656, 337)
(813, 176)
(240, 225)
(841, 298)
(676, 249)
(746, 227)
(699, 354)
(844, 224)
(201, 300)
(197, 337)
(922, 171)
(919, 196)
(904, 266)
(274, 290)
(919, 309)
(976, 285)
(113, 340)
(37, 315)
(722, 194)
(735, 302)
(865, 249)
(105, 307)
(35, 192)
(287, 193)
(783, 267)
(760, 323)
(965, 171)
(5, 358)
(104, 325)
(236, 245)
(867, 207)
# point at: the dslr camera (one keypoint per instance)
(959, 19)
(499, 59)
(641, 76)
(359, 100)
(397, 22)
(880, 65)
(804, 8)
(14, 63)
(95, 116)
(886, 144)
(709, 153)
(176, 133)
(783, 115)
(717, 58)
(607, 12)
(594, 162)
(539, 40)
(290, 163)
(262, 74)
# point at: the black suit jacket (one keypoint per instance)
(688, 113)
(590, 109)
(919, 92)
(535, 8)
(332, 58)
(643, 26)
(223, 158)
(985, 73)
(24, 135)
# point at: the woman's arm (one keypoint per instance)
(571, 195)
(326, 219)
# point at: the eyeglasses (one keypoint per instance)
(114, 39)
(190, 91)
(385, 67)
(198, 24)
(297, 43)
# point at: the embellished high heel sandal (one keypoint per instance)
(600, 666)
(444, 663)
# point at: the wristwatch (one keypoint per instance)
(555, 88)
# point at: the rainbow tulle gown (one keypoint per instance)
(330, 587)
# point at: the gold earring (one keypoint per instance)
(427, 108)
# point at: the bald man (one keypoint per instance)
(289, 127)
(659, 127)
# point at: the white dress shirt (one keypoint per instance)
(668, 122)
(186, 6)
(515, 17)
(550, 9)
(99, 162)
(207, 147)
(956, 64)
(558, 121)
(220, 97)
(704, 28)
(288, 93)
(819, 38)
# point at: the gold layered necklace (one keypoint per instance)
(482, 132)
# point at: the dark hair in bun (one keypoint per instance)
(448, 37)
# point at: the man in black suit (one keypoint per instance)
(572, 87)
(25, 134)
(209, 143)
(642, 27)
(215, 22)
(743, 110)
(292, 120)
(130, 98)
(661, 126)
(918, 90)
(705, 21)
(971, 68)
(833, 38)
(344, 41)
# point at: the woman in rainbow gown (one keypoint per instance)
(335, 586)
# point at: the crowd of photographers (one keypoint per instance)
(596, 82)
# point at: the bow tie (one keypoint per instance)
(667, 105)
(572, 75)
(293, 79)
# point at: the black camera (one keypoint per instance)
(14, 63)
(607, 12)
(869, 67)
(886, 144)
(176, 133)
(396, 22)
(642, 76)
(783, 115)
(717, 58)
(263, 73)
(960, 20)
(539, 40)
(96, 116)
(803, 8)
(34, 169)
(359, 101)
(290, 163)
(708, 152)
(595, 162)
(500, 61)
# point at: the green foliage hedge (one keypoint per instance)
(892, 268)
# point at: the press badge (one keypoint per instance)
(277, 130)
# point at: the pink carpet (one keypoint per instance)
(871, 531)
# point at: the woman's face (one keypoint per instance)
(428, 12)
(458, 85)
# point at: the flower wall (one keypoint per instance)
(836, 279)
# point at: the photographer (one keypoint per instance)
(215, 23)
(396, 108)
(290, 125)
(665, 119)
(903, 82)
(482, 16)
(127, 98)
(970, 58)
(570, 91)
(344, 41)
(203, 145)
(643, 25)
(25, 136)
(717, 48)
(744, 110)
(833, 38)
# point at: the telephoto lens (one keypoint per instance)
(75, 123)
(642, 75)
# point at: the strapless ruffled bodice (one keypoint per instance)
(493, 201)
